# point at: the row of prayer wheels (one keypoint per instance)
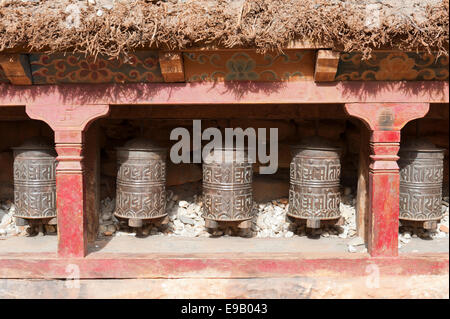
(227, 183)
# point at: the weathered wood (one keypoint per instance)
(326, 65)
(237, 66)
(92, 180)
(227, 93)
(217, 265)
(69, 123)
(172, 68)
(233, 111)
(385, 121)
(13, 113)
(362, 197)
(16, 68)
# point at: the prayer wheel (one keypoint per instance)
(314, 181)
(227, 188)
(35, 182)
(421, 176)
(141, 182)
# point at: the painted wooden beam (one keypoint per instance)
(227, 93)
(172, 68)
(326, 65)
(217, 265)
(16, 68)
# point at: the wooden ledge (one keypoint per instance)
(122, 266)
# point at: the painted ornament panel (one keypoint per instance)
(292, 65)
(392, 66)
(76, 68)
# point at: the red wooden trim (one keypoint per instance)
(69, 123)
(227, 93)
(387, 116)
(384, 121)
(98, 265)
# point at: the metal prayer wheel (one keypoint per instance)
(315, 172)
(141, 182)
(227, 188)
(35, 182)
(421, 175)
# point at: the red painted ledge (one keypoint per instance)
(122, 266)
(227, 93)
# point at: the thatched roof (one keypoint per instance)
(113, 27)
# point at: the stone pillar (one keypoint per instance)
(384, 121)
(69, 123)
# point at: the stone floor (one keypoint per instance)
(164, 244)
(321, 287)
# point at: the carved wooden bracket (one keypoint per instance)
(16, 68)
(387, 116)
(326, 65)
(68, 121)
(172, 67)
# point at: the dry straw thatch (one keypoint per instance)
(114, 27)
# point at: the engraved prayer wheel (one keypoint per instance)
(421, 176)
(35, 182)
(141, 182)
(227, 187)
(315, 172)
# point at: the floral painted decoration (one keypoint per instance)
(248, 66)
(392, 66)
(75, 68)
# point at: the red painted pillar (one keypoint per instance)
(384, 121)
(384, 186)
(69, 123)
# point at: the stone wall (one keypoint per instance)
(320, 286)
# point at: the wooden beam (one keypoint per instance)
(16, 68)
(217, 265)
(362, 197)
(227, 93)
(233, 111)
(326, 65)
(172, 67)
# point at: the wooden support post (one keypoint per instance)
(69, 123)
(384, 121)
(16, 68)
(91, 153)
(326, 65)
(172, 67)
(362, 197)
